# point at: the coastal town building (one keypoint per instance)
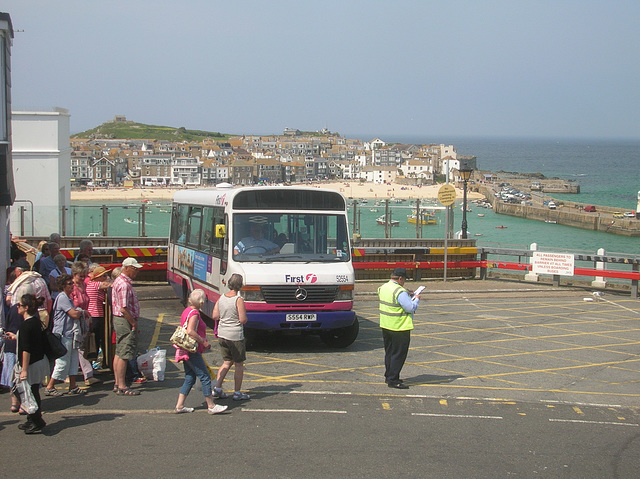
(292, 157)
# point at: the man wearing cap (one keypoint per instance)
(126, 310)
(396, 320)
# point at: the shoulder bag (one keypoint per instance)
(53, 347)
(181, 338)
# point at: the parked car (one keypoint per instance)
(630, 214)
(618, 214)
(590, 208)
(552, 205)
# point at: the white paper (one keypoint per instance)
(417, 291)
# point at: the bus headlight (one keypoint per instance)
(252, 293)
(345, 293)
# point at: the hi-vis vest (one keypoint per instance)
(392, 316)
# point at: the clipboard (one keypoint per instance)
(417, 291)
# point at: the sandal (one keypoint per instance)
(77, 391)
(127, 392)
(15, 409)
(240, 396)
(52, 392)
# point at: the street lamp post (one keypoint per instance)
(466, 168)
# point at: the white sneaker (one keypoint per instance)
(217, 409)
(184, 410)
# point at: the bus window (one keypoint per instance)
(195, 222)
(179, 224)
(313, 237)
(208, 232)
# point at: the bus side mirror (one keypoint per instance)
(221, 231)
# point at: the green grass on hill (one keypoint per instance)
(139, 131)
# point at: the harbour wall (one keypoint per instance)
(568, 213)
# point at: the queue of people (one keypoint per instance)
(68, 300)
(77, 309)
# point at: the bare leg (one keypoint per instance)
(119, 372)
(181, 400)
(238, 375)
(222, 373)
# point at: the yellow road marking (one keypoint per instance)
(156, 332)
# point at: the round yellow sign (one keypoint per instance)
(446, 195)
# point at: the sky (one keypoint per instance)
(540, 69)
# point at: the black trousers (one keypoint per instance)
(36, 417)
(396, 347)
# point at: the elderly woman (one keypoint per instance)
(66, 324)
(194, 365)
(97, 284)
(81, 300)
(61, 268)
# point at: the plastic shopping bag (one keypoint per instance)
(22, 389)
(153, 363)
(159, 365)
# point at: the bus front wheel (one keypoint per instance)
(341, 337)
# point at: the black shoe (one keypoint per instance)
(25, 425)
(398, 385)
(35, 428)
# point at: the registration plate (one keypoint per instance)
(301, 317)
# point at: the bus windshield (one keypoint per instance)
(290, 237)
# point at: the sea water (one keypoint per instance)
(608, 173)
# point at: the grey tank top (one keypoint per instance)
(229, 327)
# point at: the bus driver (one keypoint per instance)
(256, 243)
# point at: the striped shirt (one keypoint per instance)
(96, 298)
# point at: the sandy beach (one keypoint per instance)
(352, 189)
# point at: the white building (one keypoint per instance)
(42, 172)
(379, 175)
(417, 169)
(7, 191)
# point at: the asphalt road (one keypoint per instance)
(529, 382)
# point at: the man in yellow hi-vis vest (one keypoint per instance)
(396, 320)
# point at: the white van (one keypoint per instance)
(552, 205)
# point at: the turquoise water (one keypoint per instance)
(608, 173)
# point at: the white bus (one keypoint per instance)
(290, 244)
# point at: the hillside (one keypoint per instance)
(137, 131)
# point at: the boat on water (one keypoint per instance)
(373, 210)
(413, 219)
(501, 227)
(480, 215)
(382, 221)
(130, 221)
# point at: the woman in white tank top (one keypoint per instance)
(232, 315)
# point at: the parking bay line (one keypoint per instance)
(303, 411)
(606, 423)
(456, 416)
